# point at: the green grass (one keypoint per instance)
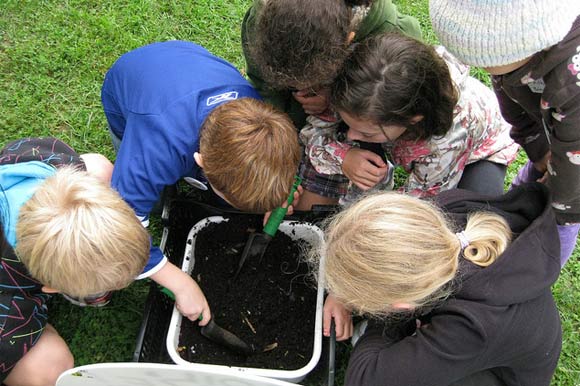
(53, 57)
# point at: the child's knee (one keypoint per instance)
(41, 374)
(49, 373)
(43, 363)
(64, 361)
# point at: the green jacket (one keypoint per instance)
(382, 17)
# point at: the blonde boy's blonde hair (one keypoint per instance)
(250, 154)
(391, 248)
(78, 236)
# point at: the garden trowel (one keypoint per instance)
(225, 338)
(258, 242)
(219, 334)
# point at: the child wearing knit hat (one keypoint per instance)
(532, 50)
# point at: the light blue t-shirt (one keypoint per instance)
(18, 183)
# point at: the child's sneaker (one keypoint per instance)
(97, 300)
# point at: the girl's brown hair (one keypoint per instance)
(392, 78)
(392, 248)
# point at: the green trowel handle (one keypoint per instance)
(278, 214)
(167, 292)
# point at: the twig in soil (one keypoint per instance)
(270, 347)
(247, 321)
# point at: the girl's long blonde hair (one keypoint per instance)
(391, 248)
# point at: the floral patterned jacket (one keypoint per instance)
(479, 133)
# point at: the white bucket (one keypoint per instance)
(297, 231)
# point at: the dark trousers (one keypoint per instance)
(484, 177)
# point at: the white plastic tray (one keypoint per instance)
(155, 374)
(297, 231)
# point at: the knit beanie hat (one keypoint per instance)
(489, 33)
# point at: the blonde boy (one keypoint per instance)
(63, 230)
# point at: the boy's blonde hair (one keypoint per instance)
(250, 154)
(78, 236)
(391, 248)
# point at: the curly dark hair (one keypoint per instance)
(390, 79)
(301, 43)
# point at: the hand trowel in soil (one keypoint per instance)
(258, 242)
(219, 334)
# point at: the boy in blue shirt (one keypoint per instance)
(173, 108)
(62, 229)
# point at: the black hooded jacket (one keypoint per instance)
(501, 317)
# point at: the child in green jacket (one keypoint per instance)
(294, 48)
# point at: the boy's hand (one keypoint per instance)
(342, 319)
(313, 102)
(191, 303)
(297, 194)
(189, 298)
(364, 168)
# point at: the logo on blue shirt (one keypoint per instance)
(227, 96)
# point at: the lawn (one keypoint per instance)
(53, 58)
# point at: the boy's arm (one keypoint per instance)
(189, 298)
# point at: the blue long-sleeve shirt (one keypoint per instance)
(155, 99)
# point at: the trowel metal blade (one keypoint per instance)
(225, 338)
(255, 247)
(257, 244)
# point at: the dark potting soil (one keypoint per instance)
(271, 304)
